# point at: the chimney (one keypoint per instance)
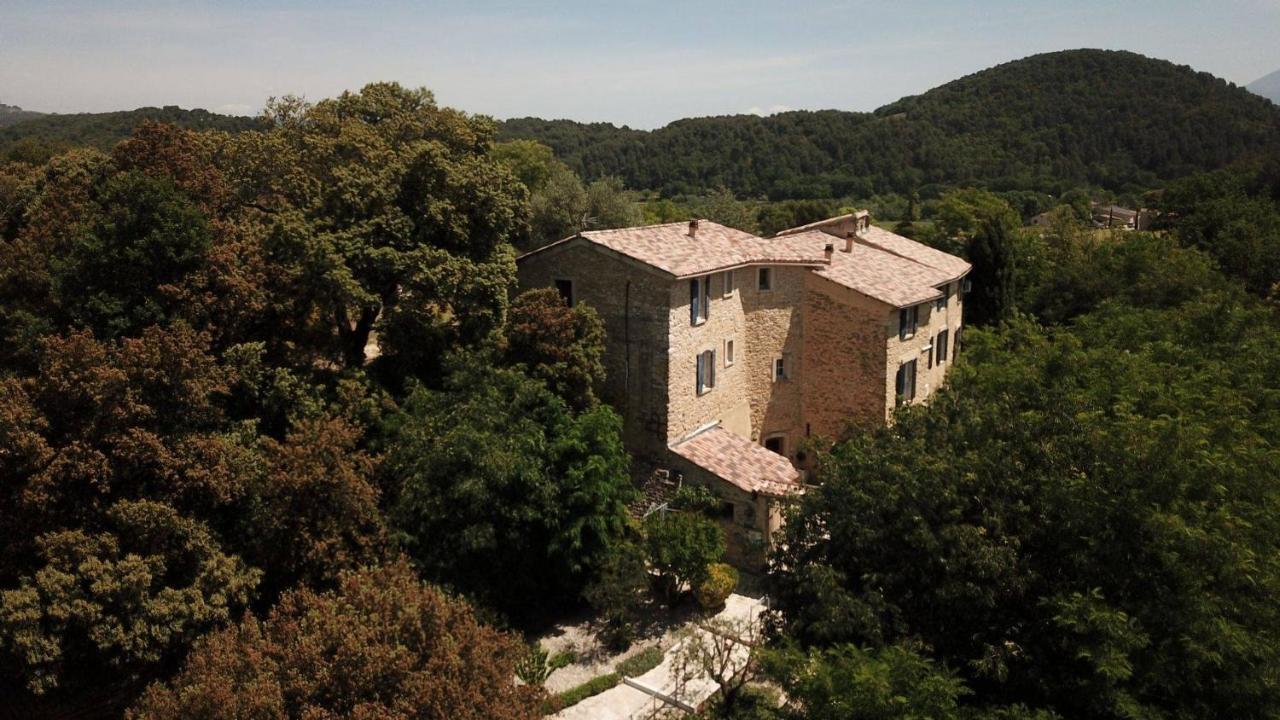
(828, 250)
(693, 227)
(848, 242)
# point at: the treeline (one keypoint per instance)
(1048, 123)
(37, 137)
(1081, 524)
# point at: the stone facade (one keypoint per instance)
(633, 302)
(839, 346)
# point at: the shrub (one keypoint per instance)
(641, 663)
(575, 695)
(619, 593)
(561, 659)
(681, 545)
(715, 587)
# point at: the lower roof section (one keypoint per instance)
(740, 462)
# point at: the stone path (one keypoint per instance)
(642, 697)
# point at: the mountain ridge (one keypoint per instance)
(1110, 118)
(1268, 86)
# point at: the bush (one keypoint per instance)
(641, 663)
(575, 695)
(561, 659)
(681, 545)
(715, 587)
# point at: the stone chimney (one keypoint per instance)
(693, 227)
(829, 250)
(848, 241)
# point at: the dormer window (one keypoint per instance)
(699, 299)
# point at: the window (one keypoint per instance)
(726, 510)
(780, 369)
(565, 288)
(727, 283)
(766, 278)
(776, 443)
(941, 345)
(906, 382)
(699, 300)
(908, 319)
(967, 287)
(728, 353)
(945, 300)
(706, 377)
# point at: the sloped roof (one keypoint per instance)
(819, 224)
(740, 462)
(953, 266)
(881, 275)
(713, 247)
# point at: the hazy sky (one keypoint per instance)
(642, 64)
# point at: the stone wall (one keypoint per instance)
(632, 302)
(920, 346)
(844, 363)
(727, 400)
(775, 328)
(763, 325)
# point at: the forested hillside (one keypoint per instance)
(1082, 117)
(37, 136)
(11, 114)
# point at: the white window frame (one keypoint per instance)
(764, 279)
(699, 299)
(728, 352)
(780, 364)
(942, 343)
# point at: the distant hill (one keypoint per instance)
(11, 114)
(1115, 119)
(1267, 86)
(42, 134)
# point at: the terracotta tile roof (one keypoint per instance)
(953, 266)
(714, 247)
(878, 274)
(823, 223)
(740, 462)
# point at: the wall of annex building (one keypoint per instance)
(846, 344)
(632, 302)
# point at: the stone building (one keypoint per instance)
(726, 351)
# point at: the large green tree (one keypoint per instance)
(530, 496)
(380, 199)
(1082, 521)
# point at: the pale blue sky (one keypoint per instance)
(642, 64)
